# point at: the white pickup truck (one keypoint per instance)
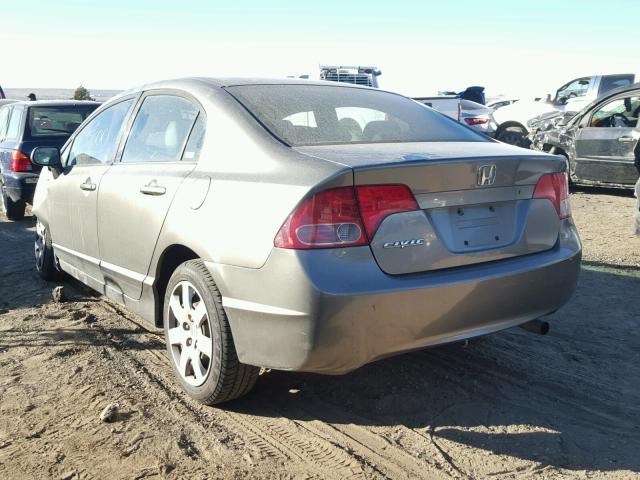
(570, 97)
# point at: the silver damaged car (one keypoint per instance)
(301, 225)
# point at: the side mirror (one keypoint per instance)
(46, 157)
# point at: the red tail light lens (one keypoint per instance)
(555, 187)
(476, 121)
(327, 219)
(343, 217)
(380, 201)
(20, 162)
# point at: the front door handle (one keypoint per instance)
(152, 188)
(88, 185)
(626, 139)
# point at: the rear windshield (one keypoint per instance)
(59, 121)
(320, 115)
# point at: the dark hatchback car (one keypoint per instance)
(24, 126)
(601, 141)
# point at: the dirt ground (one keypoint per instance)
(511, 405)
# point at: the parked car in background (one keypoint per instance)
(601, 142)
(479, 117)
(572, 96)
(472, 114)
(497, 103)
(449, 105)
(246, 218)
(24, 126)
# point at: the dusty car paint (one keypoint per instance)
(327, 310)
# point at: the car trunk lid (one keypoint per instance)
(475, 201)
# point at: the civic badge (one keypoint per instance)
(486, 175)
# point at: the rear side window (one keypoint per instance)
(4, 120)
(56, 121)
(319, 115)
(96, 143)
(15, 120)
(614, 81)
(160, 130)
(196, 140)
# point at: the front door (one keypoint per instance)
(606, 145)
(137, 191)
(73, 195)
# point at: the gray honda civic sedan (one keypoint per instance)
(301, 225)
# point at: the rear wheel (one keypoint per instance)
(514, 135)
(199, 339)
(12, 210)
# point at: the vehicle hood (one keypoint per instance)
(364, 155)
(522, 111)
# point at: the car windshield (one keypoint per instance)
(58, 121)
(320, 115)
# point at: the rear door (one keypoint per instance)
(605, 146)
(72, 196)
(135, 194)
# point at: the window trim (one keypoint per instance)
(90, 118)
(134, 114)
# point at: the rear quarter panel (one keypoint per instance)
(245, 185)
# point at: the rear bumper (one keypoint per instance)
(331, 311)
(20, 186)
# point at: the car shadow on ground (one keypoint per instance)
(570, 399)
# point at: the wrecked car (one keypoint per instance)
(600, 142)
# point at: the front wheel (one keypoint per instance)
(514, 136)
(44, 256)
(199, 340)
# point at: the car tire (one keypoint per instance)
(514, 135)
(46, 264)
(12, 210)
(199, 340)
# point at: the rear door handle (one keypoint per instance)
(87, 185)
(152, 188)
(626, 139)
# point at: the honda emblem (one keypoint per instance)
(486, 175)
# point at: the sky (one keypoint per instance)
(511, 47)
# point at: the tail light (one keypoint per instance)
(379, 201)
(555, 187)
(20, 162)
(342, 217)
(476, 121)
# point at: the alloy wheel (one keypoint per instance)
(189, 334)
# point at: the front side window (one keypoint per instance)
(320, 115)
(97, 142)
(58, 122)
(15, 120)
(623, 112)
(160, 130)
(573, 89)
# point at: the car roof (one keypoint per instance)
(196, 83)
